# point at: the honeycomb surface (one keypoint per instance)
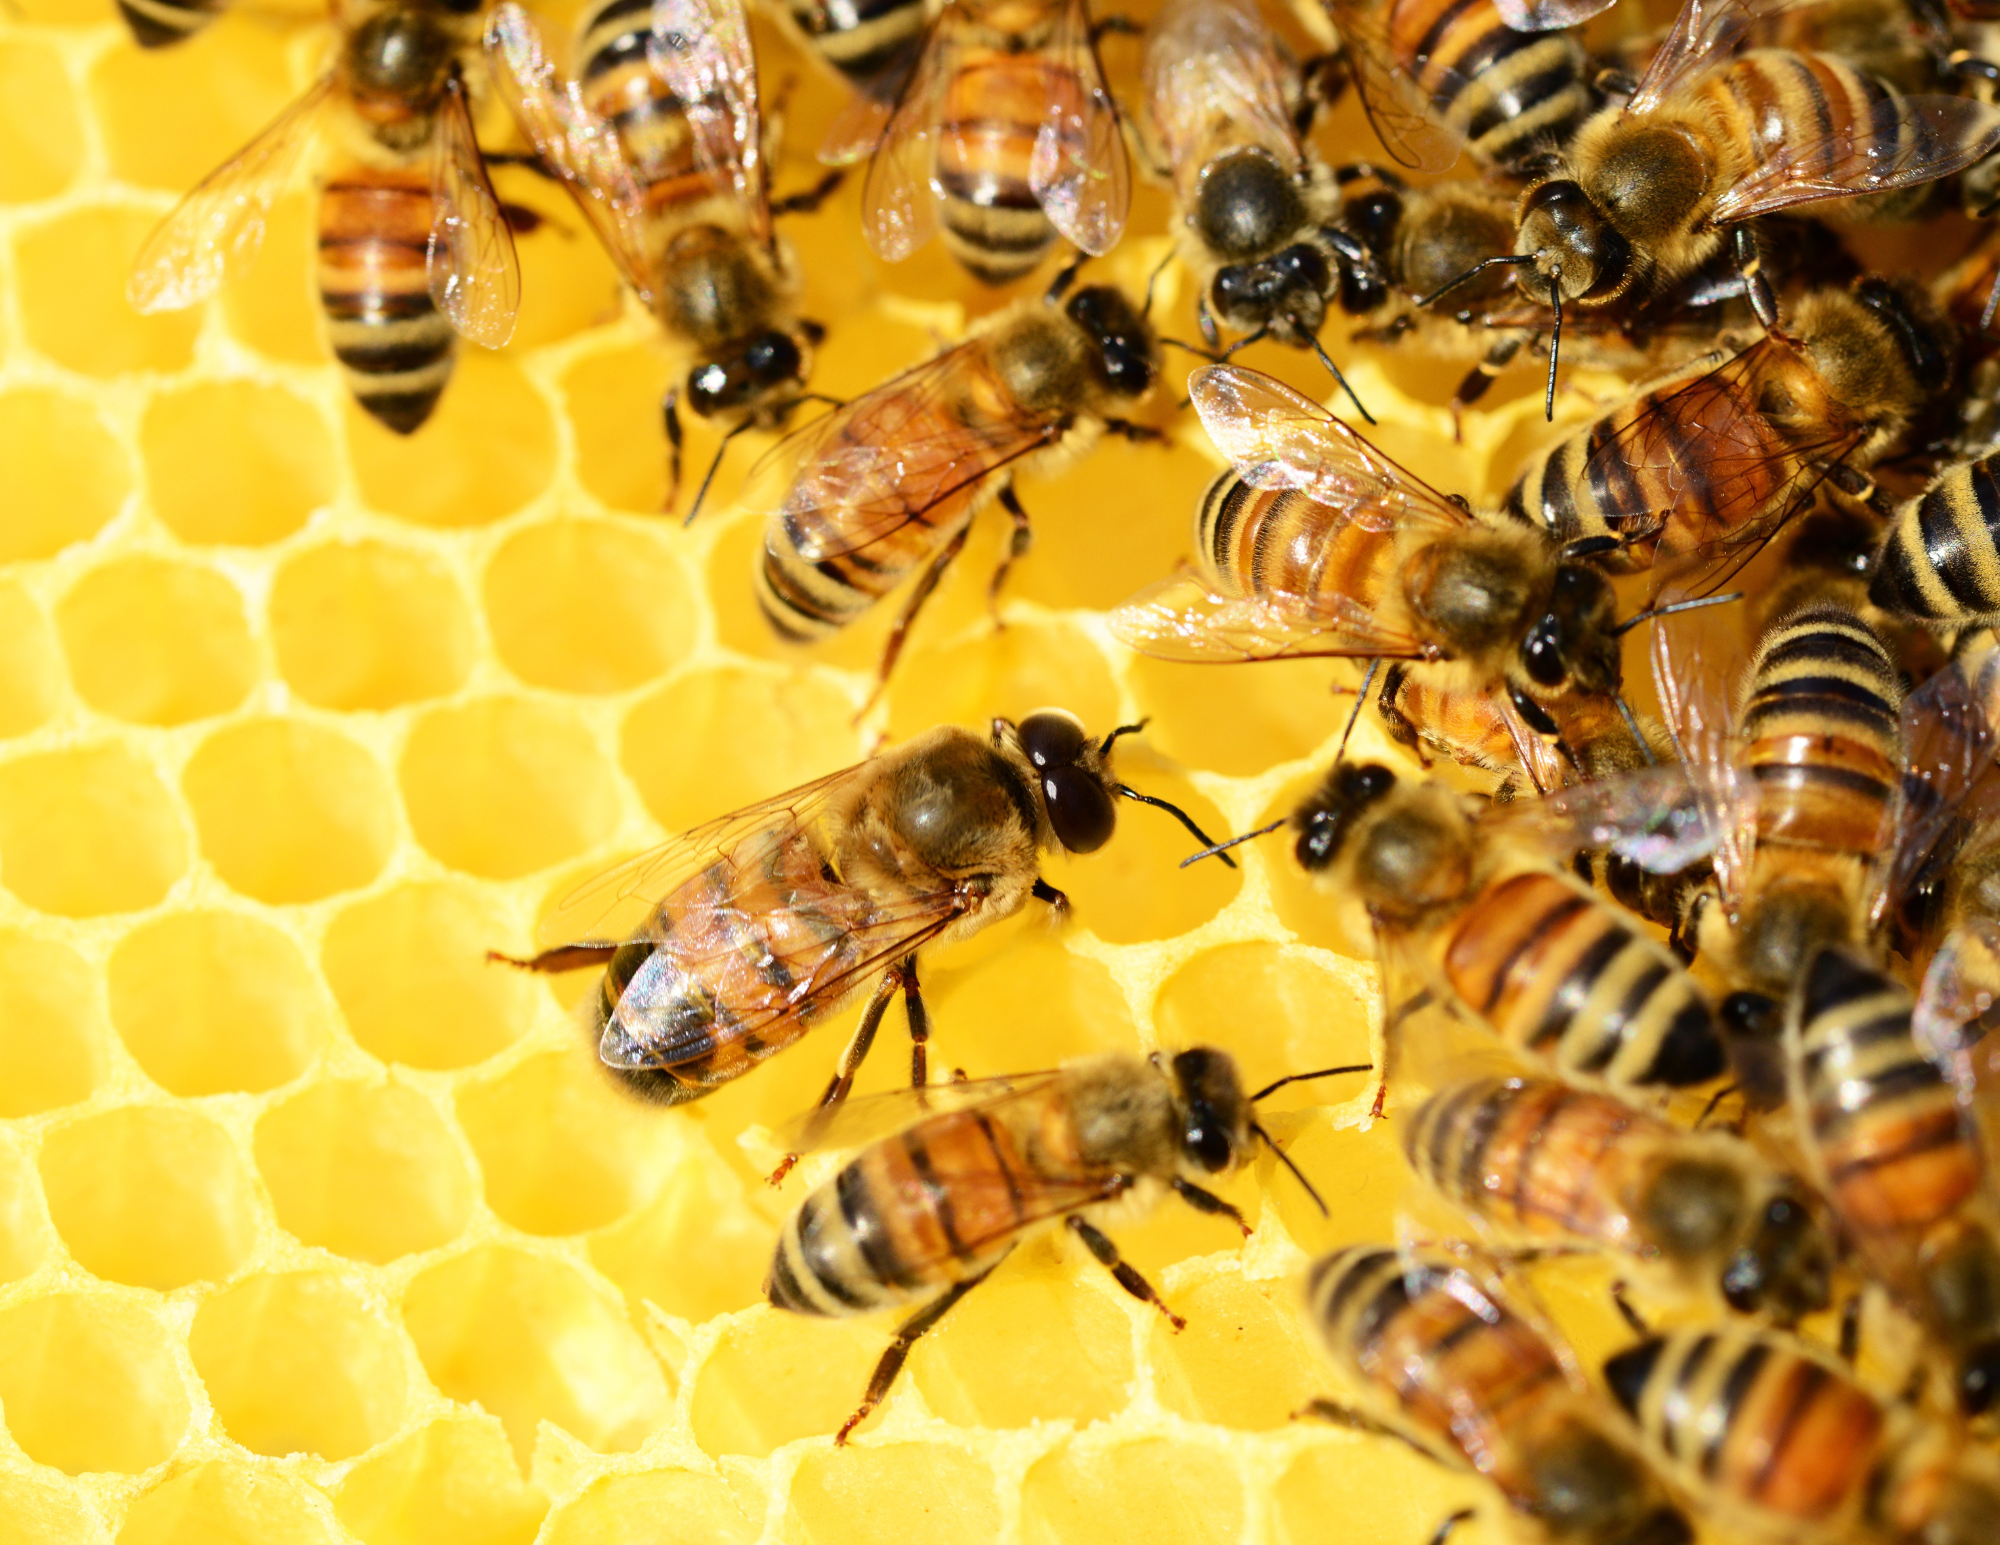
(316, 1228)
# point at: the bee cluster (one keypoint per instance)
(1694, 972)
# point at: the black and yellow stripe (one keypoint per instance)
(395, 347)
(162, 23)
(991, 217)
(1511, 94)
(620, 86)
(862, 39)
(1940, 560)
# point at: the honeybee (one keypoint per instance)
(1003, 136)
(723, 946)
(925, 1214)
(1534, 1158)
(163, 23)
(891, 482)
(414, 246)
(660, 143)
(870, 46)
(1444, 1364)
(1938, 564)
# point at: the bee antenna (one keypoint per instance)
(1220, 849)
(1360, 702)
(714, 466)
(1514, 261)
(1654, 612)
(1992, 304)
(1208, 354)
(1177, 813)
(1555, 344)
(1341, 380)
(1632, 723)
(1160, 268)
(1104, 749)
(1298, 1174)
(1059, 286)
(1299, 1078)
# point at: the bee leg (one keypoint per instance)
(1356, 1420)
(901, 631)
(1100, 1245)
(1859, 486)
(898, 1351)
(564, 957)
(805, 203)
(1209, 1202)
(1017, 546)
(920, 1023)
(1850, 1329)
(1123, 26)
(1627, 1313)
(1756, 286)
(671, 417)
(850, 1064)
(1210, 333)
(1044, 891)
(1138, 434)
(1480, 377)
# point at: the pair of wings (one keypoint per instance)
(215, 232)
(1210, 61)
(1078, 172)
(699, 51)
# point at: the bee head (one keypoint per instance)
(1327, 818)
(1076, 793)
(1246, 204)
(1574, 643)
(399, 58)
(1289, 287)
(1123, 356)
(1785, 1269)
(1214, 1115)
(1573, 245)
(748, 374)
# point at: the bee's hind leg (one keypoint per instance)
(564, 957)
(898, 1351)
(892, 650)
(1100, 1245)
(920, 1023)
(1017, 547)
(850, 1064)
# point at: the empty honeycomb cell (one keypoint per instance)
(586, 605)
(502, 788)
(409, 969)
(703, 1212)
(1365, 1488)
(224, 1503)
(1026, 1002)
(274, 305)
(66, 475)
(1276, 1010)
(39, 129)
(921, 1491)
(532, 1340)
(361, 625)
(88, 831)
(368, 1171)
(612, 397)
(36, 1511)
(71, 275)
(289, 811)
(488, 450)
(1363, 1179)
(30, 668)
(714, 740)
(560, 1149)
(150, 1196)
(152, 641)
(661, 1507)
(774, 1378)
(1241, 719)
(451, 1482)
(235, 463)
(23, 1241)
(51, 1026)
(1135, 1494)
(134, 91)
(216, 1003)
(89, 1383)
(1010, 671)
(1243, 1360)
(300, 1364)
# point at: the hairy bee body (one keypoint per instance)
(1939, 563)
(1510, 94)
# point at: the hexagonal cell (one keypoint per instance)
(38, 123)
(760, 733)
(913, 1491)
(216, 1003)
(451, 1480)
(589, 605)
(274, 307)
(300, 1364)
(157, 642)
(72, 295)
(35, 1510)
(488, 450)
(235, 462)
(613, 401)
(560, 1149)
(1010, 671)
(365, 625)
(502, 788)
(51, 1026)
(704, 1211)
(152, 1197)
(1134, 1494)
(1378, 1490)
(531, 1340)
(30, 668)
(23, 1236)
(774, 1378)
(290, 812)
(661, 1507)
(133, 91)
(66, 476)
(1026, 1002)
(1242, 720)
(222, 1503)
(1277, 1010)
(410, 970)
(1243, 1360)
(88, 831)
(89, 1383)
(368, 1171)
(1364, 1180)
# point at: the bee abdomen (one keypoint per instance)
(394, 346)
(162, 23)
(831, 1253)
(1508, 92)
(860, 38)
(1939, 561)
(993, 220)
(1279, 541)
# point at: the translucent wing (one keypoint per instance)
(1549, 15)
(1279, 438)
(1957, 1012)
(1949, 740)
(857, 1122)
(1704, 33)
(214, 233)
(1656, 818)
(573, 142)
(1696, 707)
(1399, 109)
(1180, 618)
(899, 203)
(1213, 67)
(857, 128)
(475, 277)
(1080, 171)
(702, 50)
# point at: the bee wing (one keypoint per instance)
(1279, 438)
(1696, 707)
(857, 128)
(213, 234)
(1955, 1017)
(1216, 59)
(702, 50)
(1884, 142)
(1703, 35)
(1401, 112)
(899, 201)
(1180, 618)
(1080, 171)
(1656, 817)
(1949, 739)
(1549, 15)
(574, 142)
(475, 276)
(857, 1122)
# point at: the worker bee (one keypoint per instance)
(1442, 1362)
(890, 483)
(163, 23)
(925, 1214)
(723, 946)
(660, 142)
(1002, 136)
(1938, 564)
(414, 247)
(1538, 1160)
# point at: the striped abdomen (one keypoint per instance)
(161, 23)
(1561, 974)
(1423, 709)
(1509, 93)
(394, 346)
(619, 86)
(1281, 542)
(993, 111)
(860, 38)
(1753, 1422)
(1940, 562)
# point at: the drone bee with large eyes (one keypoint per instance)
(415, 250)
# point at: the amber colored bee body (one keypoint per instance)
(1510, 95)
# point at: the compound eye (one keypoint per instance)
(710, 388)
(773, 357)
(1052, 738)
(1542, 653)
(1082, 811)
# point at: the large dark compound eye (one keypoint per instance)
(1213, 1101)
(1325, 819)
(768, 360)
(1081, 808)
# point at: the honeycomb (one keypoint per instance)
(317, 1228)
